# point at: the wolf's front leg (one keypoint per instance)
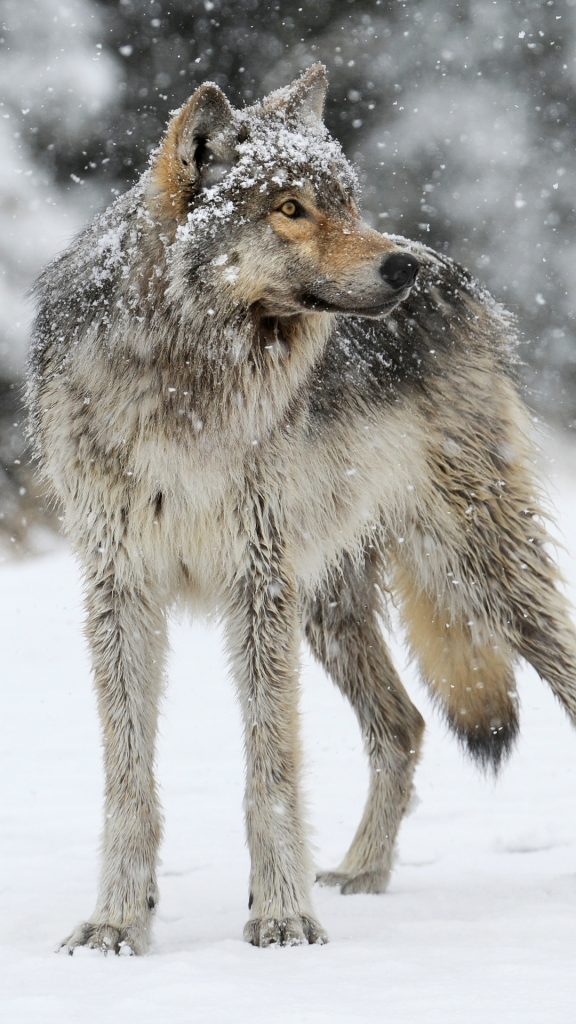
(127, 635)
(263, 637)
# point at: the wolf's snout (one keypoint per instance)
(399, 270)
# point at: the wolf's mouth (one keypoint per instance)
(319, 305)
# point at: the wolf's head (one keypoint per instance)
(262, 204)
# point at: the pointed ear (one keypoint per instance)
(308, 93)
(303, 99)
(195, 128)
(195, 149)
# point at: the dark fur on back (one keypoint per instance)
(407, 351)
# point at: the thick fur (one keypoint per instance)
(237, 409)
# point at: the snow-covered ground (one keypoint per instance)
(479, 924)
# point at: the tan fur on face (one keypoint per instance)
(283, 257)
(333, 242)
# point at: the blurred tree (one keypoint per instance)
(46, 116)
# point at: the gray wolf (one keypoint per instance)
(246, 399)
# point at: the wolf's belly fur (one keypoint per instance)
(184, 502)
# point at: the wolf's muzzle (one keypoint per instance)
(399, 270)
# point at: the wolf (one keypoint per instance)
(246, 399)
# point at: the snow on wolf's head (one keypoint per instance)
(262, 203)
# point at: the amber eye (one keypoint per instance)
(291, 209)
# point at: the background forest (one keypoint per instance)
(461, 116)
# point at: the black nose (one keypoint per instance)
(399, 270)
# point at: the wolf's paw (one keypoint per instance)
(131, 940)
(287, 931)
(373, 880)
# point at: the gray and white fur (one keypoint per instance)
(245, 399)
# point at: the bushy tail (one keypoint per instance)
(471, 683)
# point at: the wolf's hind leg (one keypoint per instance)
(342, 628)
(126, 631)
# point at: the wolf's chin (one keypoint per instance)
(306, 303)
(314, 303)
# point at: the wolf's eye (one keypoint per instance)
(292, 209)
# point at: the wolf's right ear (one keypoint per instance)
(303, 100)
(306, 97)
(195, 149)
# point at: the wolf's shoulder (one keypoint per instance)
(80, 285)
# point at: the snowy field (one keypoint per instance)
(479, 924)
